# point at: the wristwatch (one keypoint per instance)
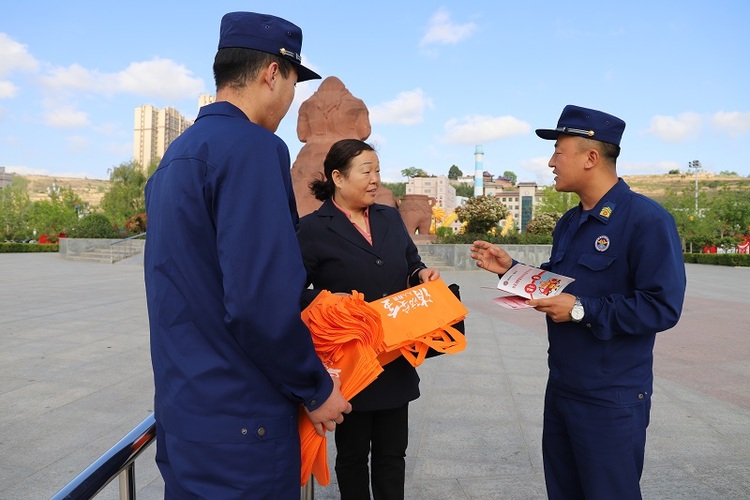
(577, 312)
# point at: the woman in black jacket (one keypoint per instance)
(352, 243)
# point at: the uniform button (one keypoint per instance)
(379, 262)
(384, 294)
(261, 431)
(243, 431)
(588, 325)
(313, 402)
(640, 396)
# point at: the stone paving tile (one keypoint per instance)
(75, 377)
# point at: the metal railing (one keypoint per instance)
(120, 461)
(124, 248)
(117, 461)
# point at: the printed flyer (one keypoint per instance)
(523, 282)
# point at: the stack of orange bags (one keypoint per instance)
(419, 318)
(346, 333)
(355, 339)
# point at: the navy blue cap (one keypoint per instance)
(588, 123)
(266, 33)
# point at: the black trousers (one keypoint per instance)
(381, 435)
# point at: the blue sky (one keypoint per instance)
(438, 78)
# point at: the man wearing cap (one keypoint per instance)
(626, 257)
(232, 359)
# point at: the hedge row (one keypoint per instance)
(719, 259)
(28, 247)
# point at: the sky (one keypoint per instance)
(438, 78)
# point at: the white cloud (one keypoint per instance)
(161, 78)
(734, 123)
(480, 129)
(7, 89)
(676, 128)
(442, 30)
(66, 117)
(407, 109)
(15, 57)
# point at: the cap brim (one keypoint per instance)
(304, 74)
(548, 134)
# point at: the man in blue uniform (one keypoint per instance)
(232, 359)
(626, 257)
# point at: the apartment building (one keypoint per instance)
(154, 130)
(438, 187)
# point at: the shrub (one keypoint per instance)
(94, 226)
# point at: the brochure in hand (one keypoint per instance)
(523, 282)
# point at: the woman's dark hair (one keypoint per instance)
(236, 67)
(338, 158)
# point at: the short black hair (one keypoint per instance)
(235, 66)
(609, 151)
(338, 158)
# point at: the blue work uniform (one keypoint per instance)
(626, 257)
(232, 359)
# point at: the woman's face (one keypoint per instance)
(357, 189)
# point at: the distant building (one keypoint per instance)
(438, 187)
(205, 99)
(154, 130)
(520, 200)
(6, 178)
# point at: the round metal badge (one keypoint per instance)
(602, 243)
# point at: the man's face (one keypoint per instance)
(567, 163)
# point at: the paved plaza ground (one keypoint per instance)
(75, 377)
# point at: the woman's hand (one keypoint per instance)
(428, 274)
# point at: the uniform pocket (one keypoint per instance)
(596, 262)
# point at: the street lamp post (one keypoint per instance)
(697, 166)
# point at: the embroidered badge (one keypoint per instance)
(602, 243)
(606, 212)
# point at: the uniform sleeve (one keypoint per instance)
(263, 274)
(656, 282)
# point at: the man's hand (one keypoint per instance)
(490, 257)
(557, 308)
(331, 411)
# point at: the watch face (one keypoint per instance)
(577, 313)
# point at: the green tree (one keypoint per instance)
(398, 188)
(56, 215)
(454, 172)
(14, 207)
(511, 176)
(412, 172)
(465, 190)
(481, 214)
(125, 197)
(556, 201)
(730, 210)
(695, 229)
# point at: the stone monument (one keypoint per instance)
(332, 113)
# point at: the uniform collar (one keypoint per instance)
(605, 209)
(221, 108)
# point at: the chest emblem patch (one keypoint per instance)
(602, 243)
